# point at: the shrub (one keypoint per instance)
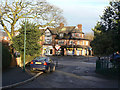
(6, 57)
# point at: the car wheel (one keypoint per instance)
(53, 69)
(48, 70)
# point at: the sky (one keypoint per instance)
(85, 12)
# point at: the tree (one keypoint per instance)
(89, 36)
(107, 31)
(12, 12)
(32, 39)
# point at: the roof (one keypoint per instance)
(72, 38)
(65, 29)
(77, 31)
(76, 46)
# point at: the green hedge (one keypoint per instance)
(6, 57)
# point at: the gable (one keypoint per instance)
(47, 32)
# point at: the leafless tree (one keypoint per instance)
(12, 12)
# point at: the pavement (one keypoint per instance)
(15, 76)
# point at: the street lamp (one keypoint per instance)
(24, 41)
(24, 45)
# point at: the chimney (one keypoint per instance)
(61, 25)
(79, 27)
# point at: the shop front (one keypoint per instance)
(70, 51)
(79, 51)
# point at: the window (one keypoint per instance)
(60, 42)
(47, 33)
(50, 51)
(48, 41)
(71, 42)
(77, 34)
(86, 42)
(73, 34)
(83, 43)
(61, 35)
(82, 35)
(78, 42)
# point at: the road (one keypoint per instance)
(72, 72)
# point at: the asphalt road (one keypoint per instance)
(72, 72)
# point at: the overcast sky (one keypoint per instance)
(85, 12)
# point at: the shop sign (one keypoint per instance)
(79, 48)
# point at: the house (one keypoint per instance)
(70, 39)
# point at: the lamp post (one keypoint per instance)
(24, 45)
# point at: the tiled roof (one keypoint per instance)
(77, 31)
(65, 29)
(72, 38)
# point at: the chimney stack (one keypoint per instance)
(61, 25)
(79, 27)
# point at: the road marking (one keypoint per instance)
(90, 78)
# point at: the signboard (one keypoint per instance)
(79, 48)
(57, 47)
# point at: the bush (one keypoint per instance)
(6, 57)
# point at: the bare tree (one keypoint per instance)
(12, 12)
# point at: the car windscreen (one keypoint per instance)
(39, 58)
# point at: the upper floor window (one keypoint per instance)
(71, 42)
(78, 42)
(61, 35)
(77, 34)
(61, 42)
(86, 42)
(83, 43)
(82, 35)
(48, 41)
(73, 34)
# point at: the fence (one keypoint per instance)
(105, 66)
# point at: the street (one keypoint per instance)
(72, 72)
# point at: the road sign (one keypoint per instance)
(57, 47)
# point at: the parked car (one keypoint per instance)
(44, 64)
(115, 58)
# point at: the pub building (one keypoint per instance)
(70, 39)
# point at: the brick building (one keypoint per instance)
(70, 38)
